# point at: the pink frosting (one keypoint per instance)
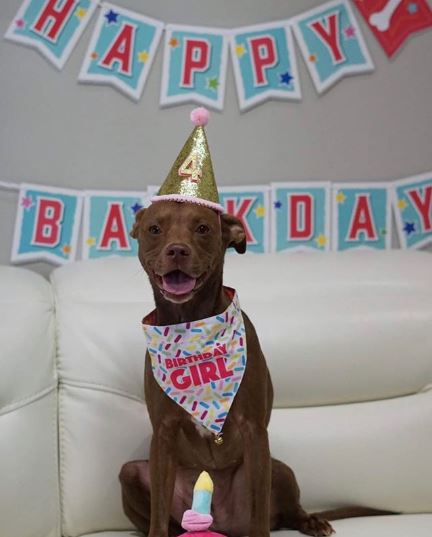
(193, 521)
(205, 533)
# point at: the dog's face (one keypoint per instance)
(182, 246)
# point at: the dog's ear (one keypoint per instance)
(135, 229)
(233, 233)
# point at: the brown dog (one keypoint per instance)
(182, 248)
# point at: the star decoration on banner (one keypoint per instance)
(412, 8)
(20, 23)
(277, 204)
(240, 50)
(27, 202)
(94, 56)
(143, 56)
(80, 13)
(383, 231)
(340, 197)
(66, 249)
(111, 16)
(321, 241)
(91, 241)
(137, 207)
(402, 204)
(213, 83)
(409, 228)
(173, 42)
(313, 58)
(260, 211)
(349, 32)
(285, 78)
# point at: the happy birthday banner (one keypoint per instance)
(124, 44)
(281, 217)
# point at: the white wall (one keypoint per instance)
(55, 131)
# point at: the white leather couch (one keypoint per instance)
(348, 338)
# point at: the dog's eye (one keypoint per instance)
(203, 229)
(155, 230)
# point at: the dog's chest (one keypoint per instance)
(201, 430)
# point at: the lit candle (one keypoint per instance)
(198, 518)
(202, 494)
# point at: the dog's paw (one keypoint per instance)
(315, 526)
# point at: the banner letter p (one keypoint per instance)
(196, 60)
(264, 56)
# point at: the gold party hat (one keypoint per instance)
(191, 178)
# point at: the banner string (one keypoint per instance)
(9, 186)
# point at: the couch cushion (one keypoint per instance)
(340, 327)
(100, 305)
(388, 526)
(335, 328)
(385, 526)
(26, 334)
(29, 497)
(103, 419)
(99, 431)
(373, 454)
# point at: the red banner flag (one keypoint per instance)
(393, 21)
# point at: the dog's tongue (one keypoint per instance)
(178, 283)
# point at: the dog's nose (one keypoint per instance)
(177, 250)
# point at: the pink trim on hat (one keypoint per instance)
(189, 199)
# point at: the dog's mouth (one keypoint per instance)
(177, 283)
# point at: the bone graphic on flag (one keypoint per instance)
(381, 19)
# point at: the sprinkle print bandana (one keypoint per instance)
(200, 364)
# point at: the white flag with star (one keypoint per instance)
(264, 63)
(46, 225)
(194, 66)
(301, 217)
(361, 214)
(331, 43)
(108, 218)
(251, 205)
(121, 50)
(51, 27)
(412, 204)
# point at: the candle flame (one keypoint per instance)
(204, 482)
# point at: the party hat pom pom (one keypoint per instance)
(200, 116)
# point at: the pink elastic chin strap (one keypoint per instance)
(188, 199)
(185, 199)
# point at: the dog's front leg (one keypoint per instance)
(257, 462)
(163, 465)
